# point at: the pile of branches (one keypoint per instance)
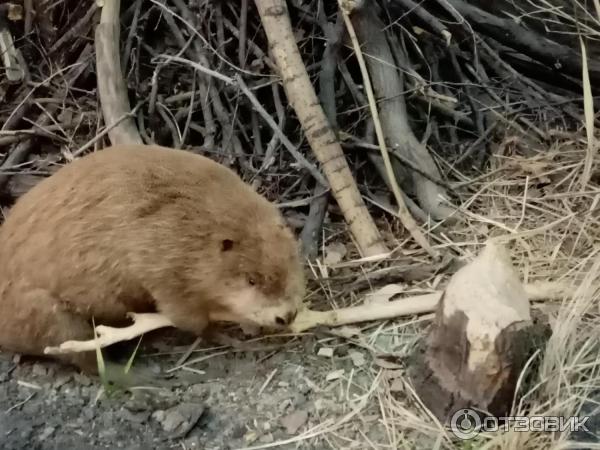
(379, 105)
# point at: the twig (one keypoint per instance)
(242, 35)
(76, 28)
(269, 158)
(259, 108)
(29, 12)
(131, 34)
(428, 18)
(316, 214)
(588, 106)
(334, 35)
(22, 150)
(107, 129)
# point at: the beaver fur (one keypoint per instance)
(139, 228)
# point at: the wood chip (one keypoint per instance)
(326, 352)
(334, 253)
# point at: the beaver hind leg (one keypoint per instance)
(33, 320)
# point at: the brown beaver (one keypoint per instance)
(139, 228)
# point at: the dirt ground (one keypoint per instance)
(267, 392)
(315, 391)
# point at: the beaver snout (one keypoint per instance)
(287, 319)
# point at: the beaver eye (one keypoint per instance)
(251, 281)
(226, 245)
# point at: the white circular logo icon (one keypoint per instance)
(465, 424)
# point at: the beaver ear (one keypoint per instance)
(226, 245)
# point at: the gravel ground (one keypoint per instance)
(264, 393)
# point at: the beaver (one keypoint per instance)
(142, 228)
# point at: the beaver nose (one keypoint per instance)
(289, 318)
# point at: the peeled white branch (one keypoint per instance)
(142, 323)
(420, 304)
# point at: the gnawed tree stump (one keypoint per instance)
(481, 338)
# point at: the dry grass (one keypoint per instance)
(552, 232)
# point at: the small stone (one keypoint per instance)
(107, 433)
(88, 414)
(397, 385)
(198, 390)
(46, 433)
(181, 418)
(61, 380)
(267, 438)
(292, 422)
(139, 417)
(106, 420)
(358, 359)
(334, 253)
(82, 379)
(39, 370)
(193, 443)
(172, 421)
(250, 437)
(159, 415)
(25, 434)
(326, 352)
(335, 375)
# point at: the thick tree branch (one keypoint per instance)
(111, 84)
(301, 94)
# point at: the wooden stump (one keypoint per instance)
(481, 338)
